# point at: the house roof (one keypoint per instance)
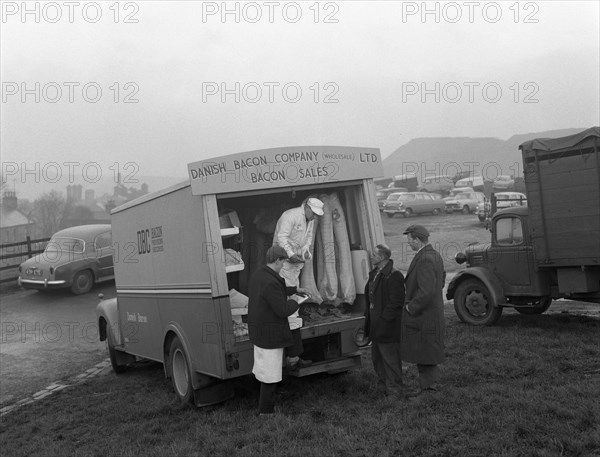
(12, 218)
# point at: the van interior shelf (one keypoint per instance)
(227, 232)
(232, 268)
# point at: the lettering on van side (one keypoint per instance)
(150, 240)
(137, 317)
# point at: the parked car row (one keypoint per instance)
(461, 199)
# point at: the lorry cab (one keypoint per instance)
(500, 273)
(187, 254)
(545, 250)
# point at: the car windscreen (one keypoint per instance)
(74, 245)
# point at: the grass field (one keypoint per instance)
(529, 386)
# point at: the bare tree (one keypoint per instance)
(48, 211)
(76, 215)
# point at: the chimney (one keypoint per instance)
(9, 199)
(90, 198)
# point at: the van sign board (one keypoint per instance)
(283, 167)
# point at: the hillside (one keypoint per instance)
(487, 156)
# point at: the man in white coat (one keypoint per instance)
(294, 233)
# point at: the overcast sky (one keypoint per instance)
(374, 74)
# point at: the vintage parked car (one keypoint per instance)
(408, 203)
(457, 190)
(503, 200)
(503, 182)
(476, 182)
(465, 202)
(382, 194)
(75, 258)
(440, 184)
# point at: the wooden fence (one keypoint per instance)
(13, 254)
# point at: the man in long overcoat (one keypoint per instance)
(384, 293)
(423, 323)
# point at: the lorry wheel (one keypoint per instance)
(473, 303)
(539, 306)
(181, 373)
(466, 210)
(82, 282)
(112, 354)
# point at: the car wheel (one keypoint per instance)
(436, 211)
(481, 218)
(473, 303)
(390, 214)
(408, 212)
(466, 209)
(181, 373)
(539, 306)
(112, 354)
(82, 282)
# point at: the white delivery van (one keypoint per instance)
(184, 257)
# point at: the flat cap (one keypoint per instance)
(417, 229)
(276, 252)
(315, 205)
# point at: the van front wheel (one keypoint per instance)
(181, 373)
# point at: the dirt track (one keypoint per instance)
(46, 337)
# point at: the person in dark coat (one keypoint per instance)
(268, 328)
(423, 323)
(384, 294)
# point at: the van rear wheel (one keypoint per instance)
(112, 354)
(473, 303)
(181, 373)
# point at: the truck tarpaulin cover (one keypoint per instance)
(585, 138)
